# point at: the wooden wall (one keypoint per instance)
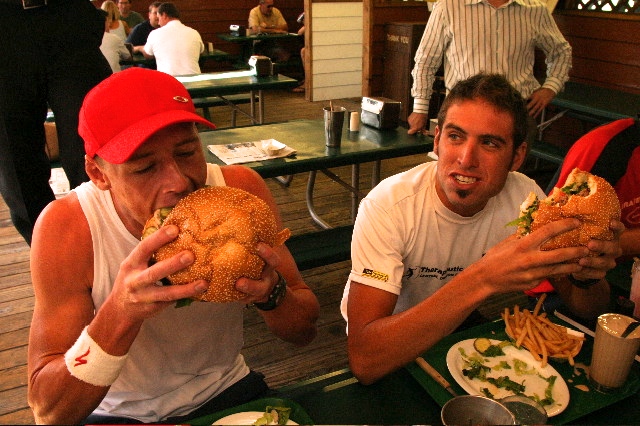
(606, 46)
(606, 49)
(336, 50)
(377, 13)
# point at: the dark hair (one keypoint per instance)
(496, 90)
(169, 9)
(155, 4)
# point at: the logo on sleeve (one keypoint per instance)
(375, 275)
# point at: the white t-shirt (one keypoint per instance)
(113, 48)
(405, 241)
(176, 47)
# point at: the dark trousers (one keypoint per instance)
(50, 59)
(250, 387)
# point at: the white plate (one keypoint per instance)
(533, 383)
(244, 418)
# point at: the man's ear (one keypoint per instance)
(96, 174)
(519, 156)
(436, 140)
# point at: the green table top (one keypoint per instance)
(254, 37)
(409, 396)
(307, 138)
(603, 104)
(232, 82)
(589, 407)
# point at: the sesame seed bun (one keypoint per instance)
(595, 205)
(221, 225)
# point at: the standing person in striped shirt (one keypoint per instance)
(492, 36)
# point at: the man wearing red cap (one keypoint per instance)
(106, 343)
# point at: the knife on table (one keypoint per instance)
(427, 368)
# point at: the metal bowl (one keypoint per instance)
(525, 410)
(475, 410)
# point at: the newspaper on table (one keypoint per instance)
(247, 152)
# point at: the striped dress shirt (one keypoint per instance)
(471, 36)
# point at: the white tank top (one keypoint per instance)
(182, 357)
(120, 32)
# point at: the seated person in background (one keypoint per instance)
(430, 244)
(140, 33)
(131, 17)
(112, 47)
(148, 361)
(175, 46)
(265, 18)
(611, 151)
(117, 26)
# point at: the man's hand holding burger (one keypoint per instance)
(258, 291)
(138, 292)
(603, 254)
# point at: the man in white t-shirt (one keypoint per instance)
(430, 244)
(175, 46)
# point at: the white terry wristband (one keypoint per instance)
(87, 361)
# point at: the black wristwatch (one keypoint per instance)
(583, 284)
(276, 296)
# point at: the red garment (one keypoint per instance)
(584, 154)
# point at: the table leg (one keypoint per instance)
(356, 196)
(260, 107)
(312, 210)
(375, 173)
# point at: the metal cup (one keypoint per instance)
(475, 410)
(333, 122)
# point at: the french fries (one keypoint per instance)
(543, 338)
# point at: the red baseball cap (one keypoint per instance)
(124, 110)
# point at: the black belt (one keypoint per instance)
(27, 4)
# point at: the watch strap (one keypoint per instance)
(583, 284)
(277, 295)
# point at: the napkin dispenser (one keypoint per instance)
(381, 113)
(237, 30)
(260, 65)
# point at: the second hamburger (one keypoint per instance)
(583, 196)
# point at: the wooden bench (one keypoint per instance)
(321, 248)
(230, 100)
(597, 105)
(549, 152)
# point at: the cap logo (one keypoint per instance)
(181, 99)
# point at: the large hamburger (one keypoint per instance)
(583, 196)
(221, 225)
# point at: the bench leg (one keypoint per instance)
(234, 114)
(206, 113)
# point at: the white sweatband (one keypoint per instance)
(87, 361)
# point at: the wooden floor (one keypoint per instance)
(281, 363)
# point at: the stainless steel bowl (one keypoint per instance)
(525, 410)
(475, 410)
